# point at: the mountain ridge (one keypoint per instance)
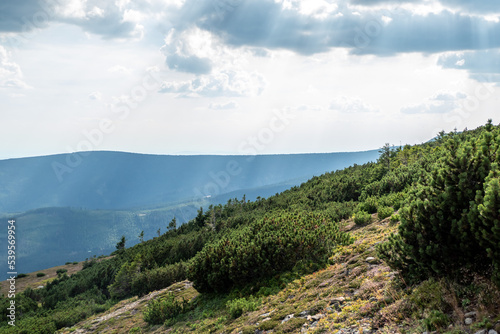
(121, 180)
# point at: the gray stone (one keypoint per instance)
(265, 315)
(265, 319)
(470, 314)
(371, 260)
(469, 321)
(492, 331)
(482, 331)
(338, 300)
(317, 316)
(303, 313)
(287, 318)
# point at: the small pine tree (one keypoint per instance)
(172, 225)
(120, 245)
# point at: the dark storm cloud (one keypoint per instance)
(99, 17)
(265, 23)
(18, 16)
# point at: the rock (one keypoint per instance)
(325, 283)
(366, 331)
(303, 314)
(338, 301)
(470, 314)
(329, 309)
(469, 321)
(371, 260)
(318, 316)
(265, 319)
(287, 318)
(482, 331)
(492, 331)
(265, 315)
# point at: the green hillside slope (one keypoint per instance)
(406, 244)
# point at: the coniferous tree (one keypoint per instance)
(120, 245)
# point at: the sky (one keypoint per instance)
(243, 76)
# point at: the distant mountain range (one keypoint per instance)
(69, 207)
(115, 180)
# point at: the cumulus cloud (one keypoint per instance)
(95, 96)
(483, 66)
(285, 25)
(487, 7)
(118, 69)
(351, 105)
(224, 105)
(105, 18)
(441, 103)
(11, 75)
(223, 83)
(24, 16)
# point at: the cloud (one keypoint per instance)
(351, 105)
(486, 7)
(11, 75)
(95, 96)
(483, 66)
(285, 25)
(23, 16)
(119, 69)
(224, 105)
(223, 83)
(104, 18)
(441, 103)
(378, 2)
(191, 51)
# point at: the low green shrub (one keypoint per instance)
(435, 321)
(268, 247)
(159, 311)
(362, 217)
(395, 218)
(158, 278)
(22, 275)
(369, 205)
(384, 212)
(40, 274)
(241, 305)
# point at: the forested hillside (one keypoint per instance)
(442, 199)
